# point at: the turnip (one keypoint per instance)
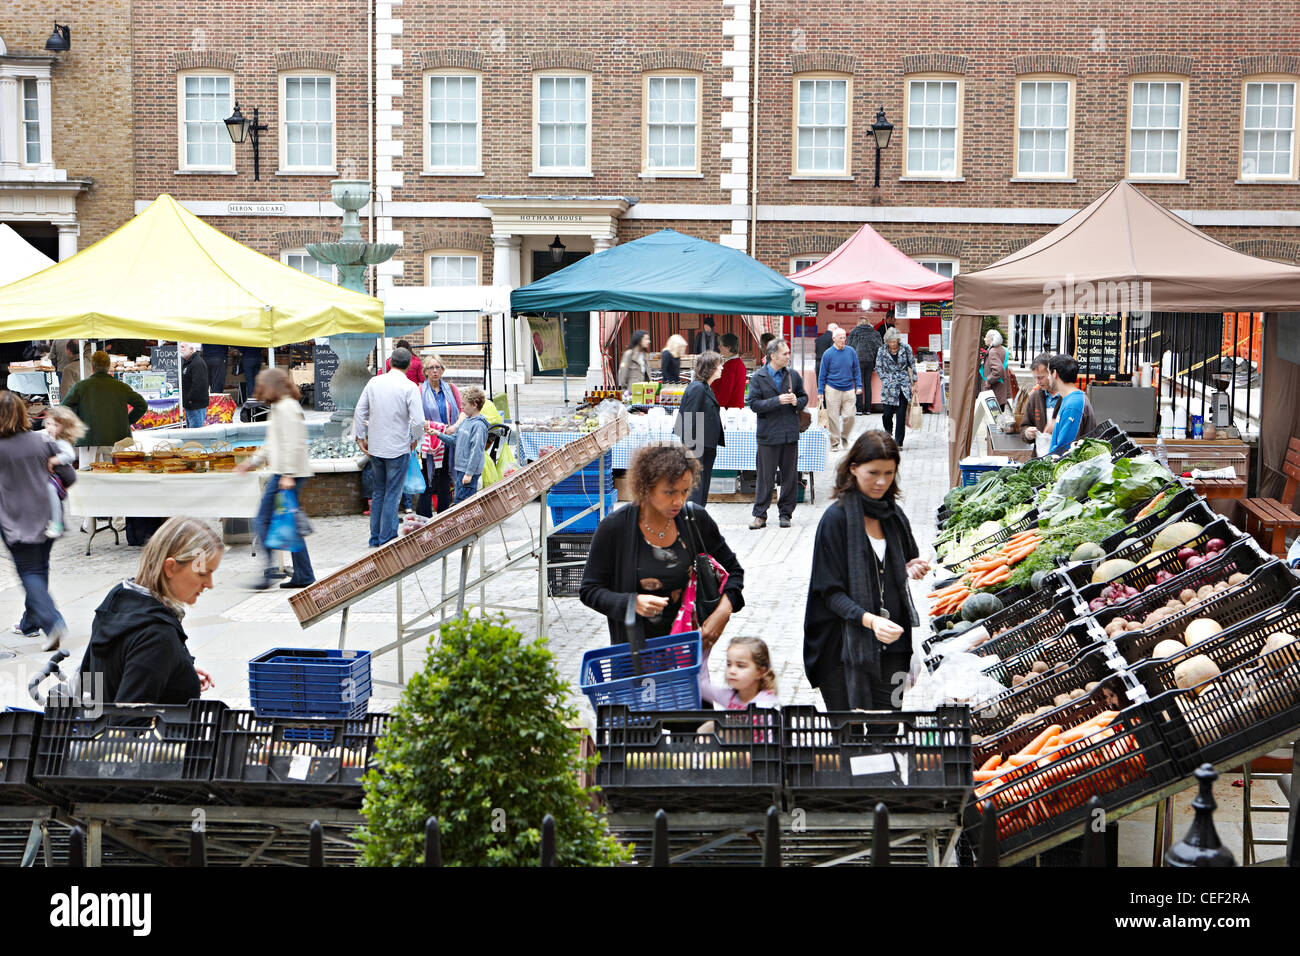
(1162, 577)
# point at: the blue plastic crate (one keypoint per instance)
(325, 693)
(672, 663)
(300, 708)
(970, 474)
(307, 681)
(587, 480)
(563, 507)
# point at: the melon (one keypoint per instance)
(1087, 551)
(1111, 569)
(1276, 640)
(1168, 648)
(1174, 536)
(1199, 630)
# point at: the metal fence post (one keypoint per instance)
(659, 846)
(772, 839)
(548, 840)
(432, 843)
(77, 847)
(989, 838)
(316, 845)
(880, 837)
(1094, 839)
(198, 848)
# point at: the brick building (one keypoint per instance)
(66, 174)
(489, 130)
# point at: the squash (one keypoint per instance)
(1174, 535)
(979, 606)
(1199, 630)
(1087, 551)
(1195, 670)
(1111, 569)
(1168, 648)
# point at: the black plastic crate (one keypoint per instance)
(1217, 527)
(19, 731)
(564, 548)
(1119, 765)
(911, 761)
(1241, 556)
(287, 760)
(1060, 646)
(1177, 500)
(986, 546)
(653, 760)
(1104, 430)
(1251, 703)
(1266, 587)
(1113, 693)
(1027, 606)
(1021, 637)
(998, 713)
(84, 752)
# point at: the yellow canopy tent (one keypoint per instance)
(168, 274)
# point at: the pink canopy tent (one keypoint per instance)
(867, 266)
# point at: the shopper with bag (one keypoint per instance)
(389, 421)
(896, 366)
(699, 421)
(995, 366)
(859, 616)
(285, 453)
(646, 554)
(441, 402)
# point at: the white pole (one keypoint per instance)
(81, 358)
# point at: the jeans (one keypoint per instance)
(463, 490)
(33, 564)
(196, 417)
(894, 419)
(303, 574)
(389, 476)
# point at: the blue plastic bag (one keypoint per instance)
(283, 533)
(414, 476)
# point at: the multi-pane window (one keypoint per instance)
(1043, 128)
(671, 127)
(206, 104)
(932, 128)
(821, 126)
(454, 270)
(1268, 132)
(308, 122)
(31, 124)
(303, 262)
(803, 262)
(1155, 128)
(562, 122)
(453, 122)
(946, 268)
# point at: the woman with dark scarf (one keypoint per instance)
(859, 618)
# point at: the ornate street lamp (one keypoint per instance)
(239, 127)
(882, 130)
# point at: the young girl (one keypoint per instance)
(750, 679)
(62, 428)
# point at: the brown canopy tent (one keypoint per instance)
(1121, 247)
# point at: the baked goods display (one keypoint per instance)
(170, 460)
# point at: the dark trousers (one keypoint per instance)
(32, 562)
(894, 420)
(252, 364)
(215, 357)
(886, 692)
(864, 398)
(701, 493)
(303, 574)
(768, 460)
(437, 483)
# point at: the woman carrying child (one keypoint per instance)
(62, 429)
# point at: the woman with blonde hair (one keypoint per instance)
(137, 651)
(670, 360)
(285, 452)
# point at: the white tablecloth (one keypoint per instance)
(212, 495)
(737, 455)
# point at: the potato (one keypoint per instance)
(1091, 686)
(1186, 594)
(1205, 591)
(1060, 666)
(1133, 626)
(1236, 578)
(1221, 586)
(1060, 700)
(1039, 667)
(1076, 694)
(1114, 626)
(1017, 680)
(1043, 710)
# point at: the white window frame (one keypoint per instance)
(463, 319)
(285, 255)
(477, 77)
(811, 76)
(183, 165)
(1069, 82)
(1181, 172)
(668, 172)
(799, 263)
(1292, 174)
(285, 167)
(559, 171)
(959, 139)
(24, 122)
(945, 325)
(14, 134)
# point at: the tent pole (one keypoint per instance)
(565, 373)
(81, 359)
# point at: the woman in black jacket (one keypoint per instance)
(137, 651)
(699, 421)
(640, 560)
(859, 617)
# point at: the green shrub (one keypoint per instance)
(482, 741)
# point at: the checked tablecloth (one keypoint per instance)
(737, 455)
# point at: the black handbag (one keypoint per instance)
(708, 586)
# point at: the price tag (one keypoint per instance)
(299, 766)
(871, 764)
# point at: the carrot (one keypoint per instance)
(1155, 503)
(983, 776)
(1019, 760)
(1033, 746)
(991, 763)
(996, 577)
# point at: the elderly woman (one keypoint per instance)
(670, 360)
(640, 559)
(441, 403)
(995, 367)
(634, 366)
(699, 421)
(896, 366)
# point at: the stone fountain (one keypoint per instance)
(352, 255)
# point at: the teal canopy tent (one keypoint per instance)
(664, 272)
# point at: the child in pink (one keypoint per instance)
(749, 676)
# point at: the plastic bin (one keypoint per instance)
(1060, 645)
(661, 760)
(310, 683)
(587, 479)
(564, 507)
(19, 731)
(669, 676)
(998, 713)
(1177, 501)
(564, 581)
(971, 474)
(911, 761)
(1140, 550)
(1036, 630)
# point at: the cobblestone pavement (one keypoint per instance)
(233, 623)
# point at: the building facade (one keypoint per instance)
(489, 130)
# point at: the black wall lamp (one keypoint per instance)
(882, 130)
(60, 40)
(239, 127)
(557, 250)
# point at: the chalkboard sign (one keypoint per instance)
(325, 361)
(1099, 344)
(942, 310)
(167, 359)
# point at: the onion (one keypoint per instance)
(1185, 553)
(1215, 545)
(1162, 577)
(1193, 561)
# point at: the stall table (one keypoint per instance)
(1013, 446)
(929, 390)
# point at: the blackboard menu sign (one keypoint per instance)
(942, 310)
(325, 361)
(1099, 344)
(167, 359)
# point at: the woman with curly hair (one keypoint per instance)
(640, 558)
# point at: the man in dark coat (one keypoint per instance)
(706, 339)
(866, 341)
(777, 396)
(194, 385)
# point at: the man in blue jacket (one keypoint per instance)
(839, 381)
(777, 397)
(1071, 404)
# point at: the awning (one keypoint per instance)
(868, 266)
(18, 257)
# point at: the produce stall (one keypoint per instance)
(1111, 633)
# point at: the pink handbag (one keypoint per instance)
(685, 620)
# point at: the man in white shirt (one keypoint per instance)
(387, 425)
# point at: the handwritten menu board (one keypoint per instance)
(325, 361)
(942, 310)
(1099, 344)
(166, 359)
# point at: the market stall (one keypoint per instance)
(1122, 242)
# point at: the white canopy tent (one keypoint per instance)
(18, 257)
